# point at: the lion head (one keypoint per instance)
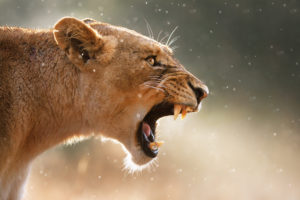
(127, 82)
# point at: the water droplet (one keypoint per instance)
(138, 115)
(233, 170)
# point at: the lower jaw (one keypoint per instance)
(144, 144)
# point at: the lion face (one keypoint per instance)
(127, 83)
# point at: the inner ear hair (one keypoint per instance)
(77, 46)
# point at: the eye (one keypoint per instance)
(152, 61)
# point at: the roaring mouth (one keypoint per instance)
(146, 132)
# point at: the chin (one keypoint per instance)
(140, 144)
(137, 161)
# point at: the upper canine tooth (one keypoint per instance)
(183, 113)
(177, 110)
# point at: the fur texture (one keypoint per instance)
(81, 77)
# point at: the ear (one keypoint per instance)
(78, 39)
(89, 20)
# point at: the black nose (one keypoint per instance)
(200, 92)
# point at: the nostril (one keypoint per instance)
(199, 92)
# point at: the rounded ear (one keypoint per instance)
(89, 20)
(78, 39)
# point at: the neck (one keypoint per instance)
(46, 101)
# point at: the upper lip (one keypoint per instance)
(148, 143)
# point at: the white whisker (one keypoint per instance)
(171, 35)
(174, 47)
(163, 38)
(149, 29)
(174, 40)
(158, 35)
(153, 87)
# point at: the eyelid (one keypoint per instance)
(155, 61)
(152, 56)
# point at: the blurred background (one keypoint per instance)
(245, 142)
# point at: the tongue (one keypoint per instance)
(146, 129)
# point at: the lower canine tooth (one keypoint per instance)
(155, 145)
(177, 109)
(159, 143)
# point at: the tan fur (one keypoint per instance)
(77, 79)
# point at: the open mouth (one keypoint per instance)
(146, 131)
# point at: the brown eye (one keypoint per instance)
(152, 61)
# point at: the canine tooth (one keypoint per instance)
(159, 143)
(183, 112)
(155, 145)
(177, 109)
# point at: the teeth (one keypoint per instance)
(181, 109)
(159, 143)
(177, 109)
(183, 112)
(155, 145)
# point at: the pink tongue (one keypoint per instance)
(146, 129)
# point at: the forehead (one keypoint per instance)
(132, 38)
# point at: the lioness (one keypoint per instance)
(80, 78)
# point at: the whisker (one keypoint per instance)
(174, 40)
(174, 47)
(149, 29)
(152, 83)
(153, 87)
(163, 38)
(158, 35)
(171, 35)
